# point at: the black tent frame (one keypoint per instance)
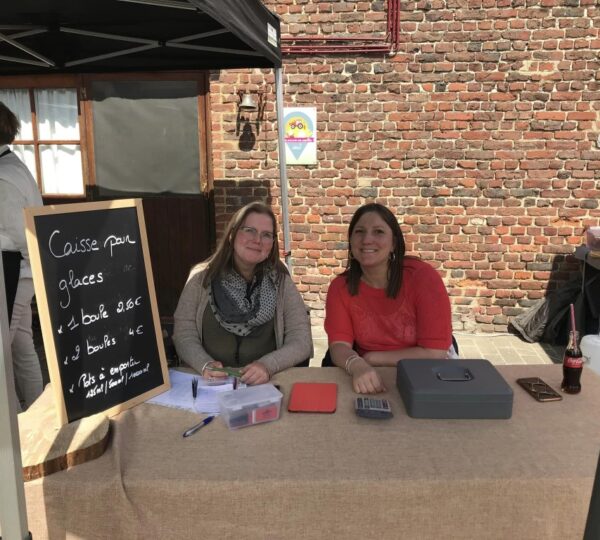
(67, 36)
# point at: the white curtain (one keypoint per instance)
(57, 114)
(57, 120)
(61, 169)
(26, 154)
(17, 100)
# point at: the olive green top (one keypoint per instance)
(291, 325)
(233, 350)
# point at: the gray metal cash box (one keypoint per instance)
(453, 389)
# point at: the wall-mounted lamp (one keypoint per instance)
(249, 104)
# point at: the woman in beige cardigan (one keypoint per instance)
(241, 307)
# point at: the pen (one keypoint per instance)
(195, 428)
(194, 387)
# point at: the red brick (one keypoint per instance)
(514, 144)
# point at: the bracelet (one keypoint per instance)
(349, 361)
(204, 367)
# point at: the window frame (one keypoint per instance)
(82, 84)
(37, 82)
(203, 101)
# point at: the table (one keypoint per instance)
(336, 476)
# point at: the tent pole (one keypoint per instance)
(13, 516)
(282, 169)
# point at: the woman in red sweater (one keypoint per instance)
(385, 306)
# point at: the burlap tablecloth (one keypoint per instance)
(336, 476)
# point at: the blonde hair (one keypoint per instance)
(223, 257)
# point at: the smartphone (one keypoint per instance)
(539, 390)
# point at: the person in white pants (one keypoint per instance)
(18, 190)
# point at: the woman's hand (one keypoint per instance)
(255, 373)
(207, 373)
(365, 380)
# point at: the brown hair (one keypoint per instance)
(9, 125)
(395, 264)
(223, 257)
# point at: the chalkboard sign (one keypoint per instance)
(97, 305)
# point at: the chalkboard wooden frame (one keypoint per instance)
(32, 217)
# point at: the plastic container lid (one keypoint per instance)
(249, 406)
(250, 396)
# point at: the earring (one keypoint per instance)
(392, 256)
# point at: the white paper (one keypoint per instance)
(180, 394)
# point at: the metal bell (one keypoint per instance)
(248, 103)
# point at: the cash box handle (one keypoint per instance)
(454, 374)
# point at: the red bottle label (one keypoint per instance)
(573, 362)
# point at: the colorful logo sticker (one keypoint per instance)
(299, 131)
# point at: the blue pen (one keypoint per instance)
(195, 428)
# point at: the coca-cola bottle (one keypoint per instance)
(572, 365)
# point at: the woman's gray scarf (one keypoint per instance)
(239, 306)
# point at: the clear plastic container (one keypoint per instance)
(590, 348)
(250, 405)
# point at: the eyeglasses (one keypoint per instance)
(251, 232)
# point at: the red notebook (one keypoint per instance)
(313, 397)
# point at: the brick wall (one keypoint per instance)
(480, 133)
